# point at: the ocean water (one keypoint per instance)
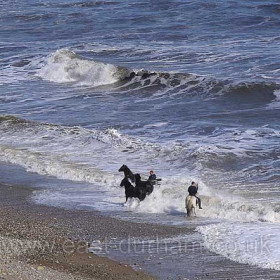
(190, 89)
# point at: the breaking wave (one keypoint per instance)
(94, 156)
(74, 153)
(65, 66)
(227, 150)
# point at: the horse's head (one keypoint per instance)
(123, 168)
(137, 177)
(125, 183)
(122, 182)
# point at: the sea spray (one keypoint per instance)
(64, 66)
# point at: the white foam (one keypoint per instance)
(275, 103)
(54, 166)
(224, 206)
(75, 153)
(94, 156)
(162, 200)
(64, 66)
(252, 243)
(158, 124)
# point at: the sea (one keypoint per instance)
(187, 88)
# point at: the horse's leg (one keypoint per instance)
(188, 212)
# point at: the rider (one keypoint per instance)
(152, 177)
(193, 191)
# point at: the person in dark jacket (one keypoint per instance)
(152, 178)
(152, 175)
(193, 191)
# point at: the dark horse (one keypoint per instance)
(143, 185)
(131, 191)
(127, 173)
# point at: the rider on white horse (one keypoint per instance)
(193, 191)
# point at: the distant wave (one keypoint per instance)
(88, 4)
(65, 66)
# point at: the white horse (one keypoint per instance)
(191, 205)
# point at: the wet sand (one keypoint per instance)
(39, 242)
(59, 239)
(42, 242)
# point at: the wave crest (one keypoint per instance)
(65, 66)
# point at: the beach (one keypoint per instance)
(33, 238)
(43, 242)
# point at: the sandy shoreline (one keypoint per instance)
(42, 242)
(39, 242)
(59, 238)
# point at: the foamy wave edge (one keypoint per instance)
(55, 150)
(244, 242)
